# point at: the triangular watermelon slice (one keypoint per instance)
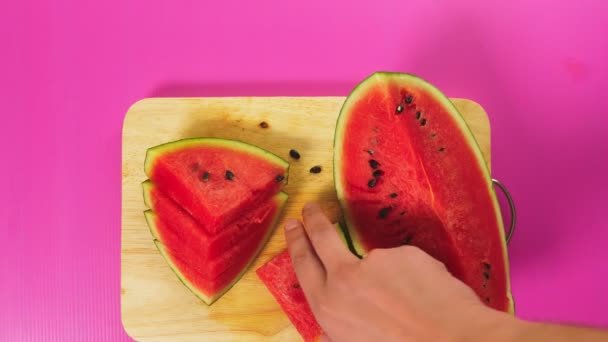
(215, 180)
(193, 271)
(190, 246)
(280, 278)
(189, 234)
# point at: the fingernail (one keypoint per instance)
(291, 224)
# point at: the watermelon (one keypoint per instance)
(210, 279)
(280, 278)
(408, 171)
(188, 233)
(193, 250)
(215, 180)
(213, 204)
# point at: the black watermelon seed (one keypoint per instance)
(488, 299)
(229, 175)
(418, 115)
(294, 154)
(378, 173)
(486, 265)
(486, 275)
(279, 178)
(409, 99)
(205, 176)
(408, 239)
(393, 195)
(441, 149)
(399, 109)
(422, 122)
(371, 183)
(296, 286)
(373, 163)
(383, 213)
(264, 124)
(315, 169)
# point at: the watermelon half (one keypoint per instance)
(215, 180)
(408, 171)
(205, 278)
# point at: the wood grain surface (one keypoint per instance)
(155, 306)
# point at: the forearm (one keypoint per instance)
(510, 329)
(558, 333)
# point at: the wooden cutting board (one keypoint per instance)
(155, 305)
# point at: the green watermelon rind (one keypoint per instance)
(340, 131)
(154, 152)
(281, 199)
(147, 187)
(345, 237)
(151, 216)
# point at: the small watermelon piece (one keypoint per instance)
(408, 170)
(185, 230)
(280, 278)
(215, 180)
(193, 273)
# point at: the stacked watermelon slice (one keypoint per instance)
(212, 204)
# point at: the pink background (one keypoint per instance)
(69, 70)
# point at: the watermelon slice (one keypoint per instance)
(189, 251)
(194, 272)
(212, 179)
(278, 275)
(408, 170)
(178, 225)
(280, 278)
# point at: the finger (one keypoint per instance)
(306, 263)
(324, 237)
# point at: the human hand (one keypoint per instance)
(398, 294)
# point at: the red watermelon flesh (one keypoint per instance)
(213, 179)
(210, 268)
(194, 279)
(408, 171)
(280, 278)
(194, 272)
(190, 235)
